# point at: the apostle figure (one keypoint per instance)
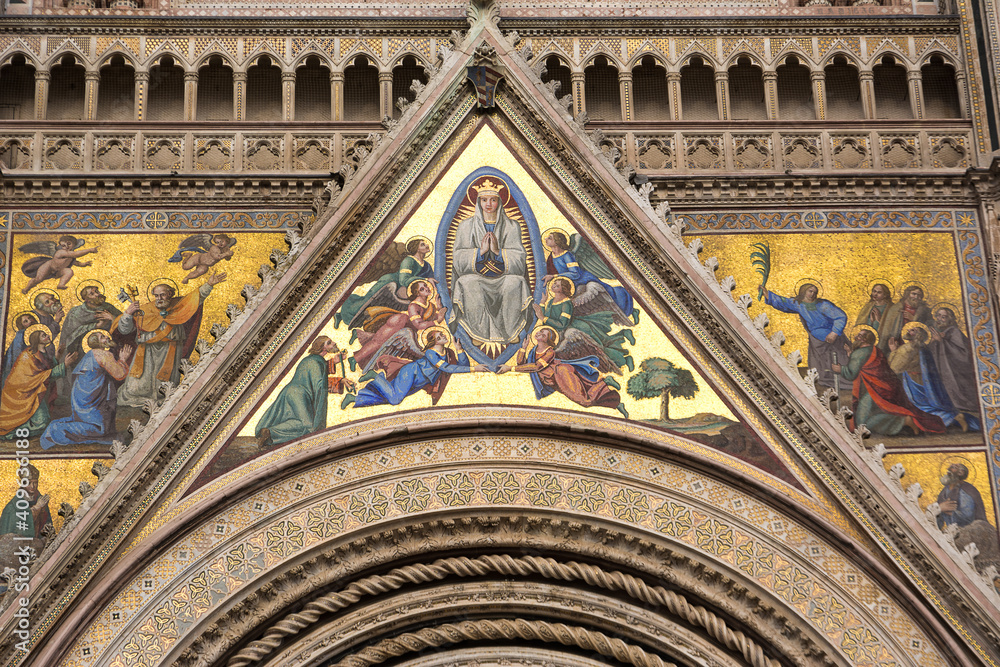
(873, 311)
(490, 289)
(24, 402)
(960, 502)
(94, 398)
(22, 321)
(880, 403)
(300, 408)
(952, 354)
(825, 323)
(30, 520)
(93, 313)
(165, 332)
(49, 310)
(911, 307)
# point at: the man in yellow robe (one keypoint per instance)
(24, 402)
(165, 329)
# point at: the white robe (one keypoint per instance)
(491, 309)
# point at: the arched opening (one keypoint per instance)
(843, 91)
(361, 94)
(312, 91)
(601, 91)
(165, 100)
(892, 93)
(940, 89)
(116, 91)
(795, 100)
(264, 91)
(650, 94)
(403, 76)
(556, 70)
(215, 91)
(747, 100)
(17, 90)
(698, 99)
(67, 90)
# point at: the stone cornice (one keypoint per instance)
(734, 27)
(152, 26)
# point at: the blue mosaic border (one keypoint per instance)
(154, 220)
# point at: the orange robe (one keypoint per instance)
(25, 389)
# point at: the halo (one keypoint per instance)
(424, 281)
(422, 238)
(85, 344)
(24, 312)
(856, 329)
(427, 332)
(881, 281)
(44, 290)
(964, 461)
(916, 325)
(947, 304)
(554, 229)
(572, 287)
(161, 281)
(90, 282)
(36, 327)
(912, 283)
(817, 283)
(501, 185)
(545, 326)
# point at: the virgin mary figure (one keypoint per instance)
(490, 291)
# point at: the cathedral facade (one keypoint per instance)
(499, 333)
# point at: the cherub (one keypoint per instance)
(57, 262)
(203, 251)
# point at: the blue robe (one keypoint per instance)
(584, 366)
(566, 265)
(94, 401)
(931, 396)
(820, 318)
(410, 379)
(300, 408)
(10, 356)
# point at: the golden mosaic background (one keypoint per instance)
(927, 469)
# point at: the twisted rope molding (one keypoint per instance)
(510, 566)
(451, 633)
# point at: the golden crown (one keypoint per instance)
(488, 187)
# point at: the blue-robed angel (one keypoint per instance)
(574, 259)
(403, 376)
(200, 252)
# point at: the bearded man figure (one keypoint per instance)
(490, 289)
(165, 329)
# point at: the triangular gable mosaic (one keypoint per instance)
(522, 311)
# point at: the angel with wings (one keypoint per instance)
(392, 326)
(56, 259)
(200, 252)
(578, 379)
(584, 332)
(573, 258)
(393, 271)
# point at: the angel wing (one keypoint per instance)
(588, 258)
(575, 344)
(387, 261)
(386, 297)
(199, 242)
(47, 248)
(402, 344)
(593, 298)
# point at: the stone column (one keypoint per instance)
(771, 94)
(579, 96)
(239, 95)
(722, 94)
(867, 78)
(42, 78)
(625, 93)
(674, 95)
(385, 90)
(960, 84)
(819, 93)
(288, 95)
(915, 81)
(336, 96)
(190, 95)
(90, 95)
(141, 92)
